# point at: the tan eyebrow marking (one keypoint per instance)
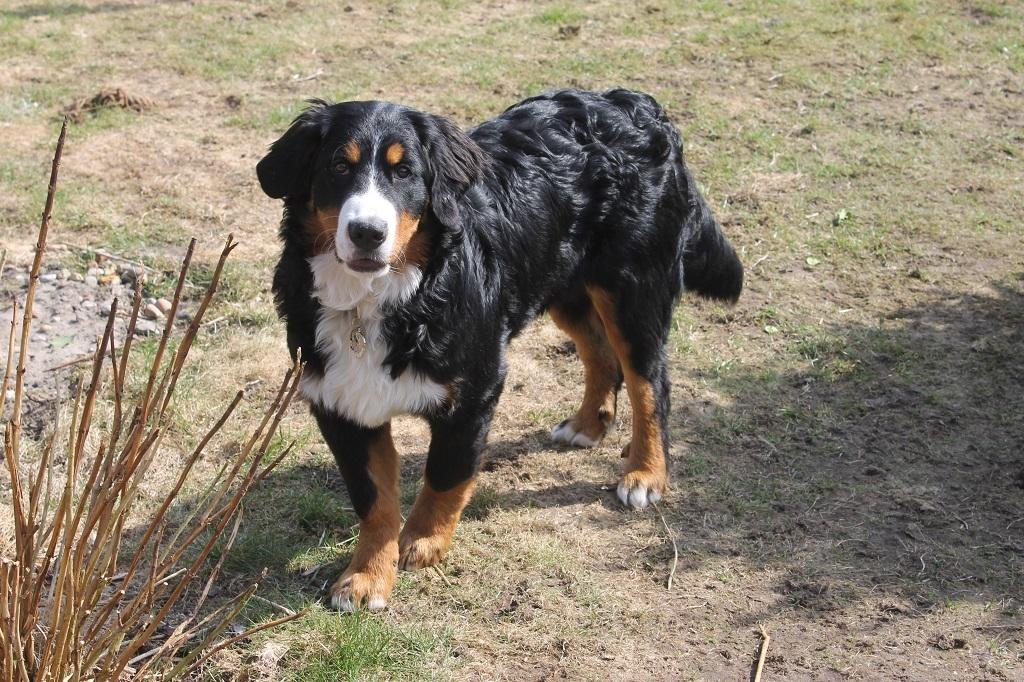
(395, 154)
(352, 152)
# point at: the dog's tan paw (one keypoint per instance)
(639, 488)
(420, 552)
(356, 590)
(581, 431)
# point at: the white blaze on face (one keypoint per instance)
(369, 204)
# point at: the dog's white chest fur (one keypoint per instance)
(357, 385)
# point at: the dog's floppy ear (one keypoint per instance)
(286, 170)
(456, 162)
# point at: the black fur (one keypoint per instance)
(350, 444)
(560, 192)
(287, 168)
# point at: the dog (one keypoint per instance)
(414, 252)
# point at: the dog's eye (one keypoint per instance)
(402, 171)
(343, 169)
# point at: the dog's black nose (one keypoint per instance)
(367, 233)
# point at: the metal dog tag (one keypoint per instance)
(357, 340)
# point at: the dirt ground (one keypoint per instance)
(847, 468)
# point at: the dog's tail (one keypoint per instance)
(711, 267)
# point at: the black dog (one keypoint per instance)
(414, 252)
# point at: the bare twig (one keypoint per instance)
(247, 634)
(999, 627)
(443, 577)
(764, 651)
(675, 549)
(215, 321)
(70, 363)
(279, 607)
(107, 255)
(30, 296)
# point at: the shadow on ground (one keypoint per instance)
(891, 462)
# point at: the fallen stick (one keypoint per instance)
(280, 607)
(764, 651)
(69, 363)
(675, 549)
(108, 255)
(443, 577)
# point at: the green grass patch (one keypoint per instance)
(363, 646)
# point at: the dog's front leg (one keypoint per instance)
(369, 464)
(456, 445)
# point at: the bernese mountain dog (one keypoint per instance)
(414, 252)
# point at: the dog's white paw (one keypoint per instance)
(345, 605)
(355, 591)
(565, 433)
(638, 497)
(639, 489)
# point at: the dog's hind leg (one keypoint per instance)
(601, 374)
(637, 327)
(369, 464)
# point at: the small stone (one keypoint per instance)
(55, 319)
(107, 306)
(76, 277)
(10, 394)
(164, 305)
(64, 273)
(129, 275)
(151, 312)
(21, 279)
(96, 272)
(46, 328)
(88, 303)
(91, 280)
(108, 278)
(145, 328)
(48, 277)
(151, 301)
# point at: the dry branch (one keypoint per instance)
(675, 550)
(764, 651)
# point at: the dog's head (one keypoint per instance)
(372, 174)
